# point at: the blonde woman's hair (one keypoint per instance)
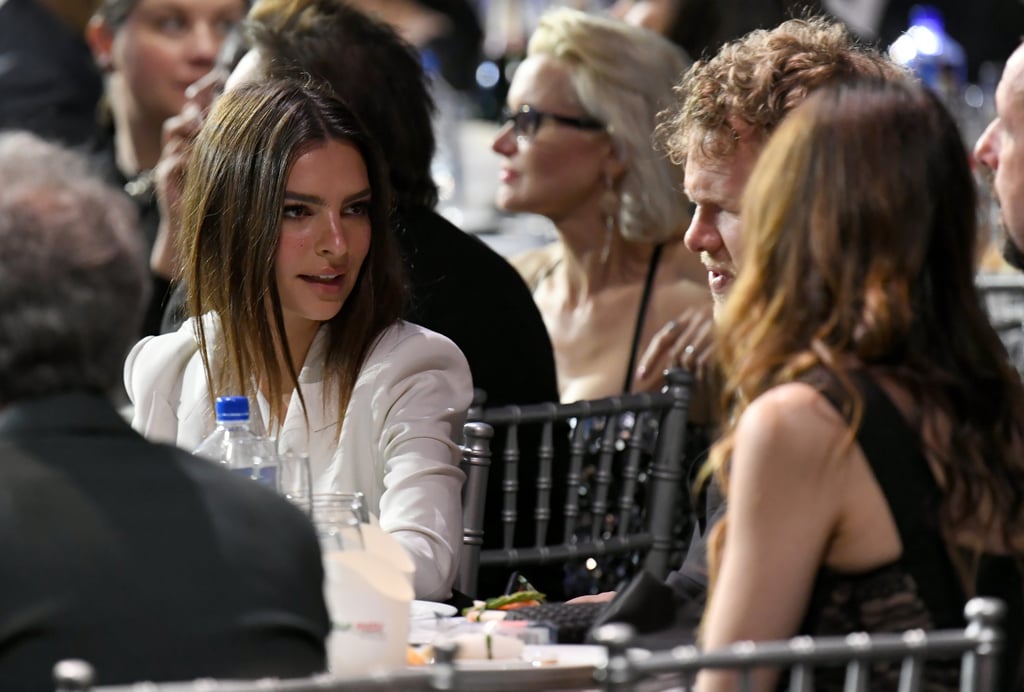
(623, 76)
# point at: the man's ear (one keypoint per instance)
(100, 37)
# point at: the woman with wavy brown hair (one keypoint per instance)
(874, 452)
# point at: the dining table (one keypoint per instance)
(543, 664)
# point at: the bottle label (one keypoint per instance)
(267, 475)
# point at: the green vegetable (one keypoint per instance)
(496, 603)
(517, 597)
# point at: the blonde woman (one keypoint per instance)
(578, 149)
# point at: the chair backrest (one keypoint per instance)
(978, 645)
(476, 464)
(623, 426)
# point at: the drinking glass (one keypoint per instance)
(337, 517)
(295, 480)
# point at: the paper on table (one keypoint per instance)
(368, 600)
(382, 544)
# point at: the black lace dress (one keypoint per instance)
(921, 589)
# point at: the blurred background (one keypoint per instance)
(471, 49)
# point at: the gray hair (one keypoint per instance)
(73, 281)
(624, 76)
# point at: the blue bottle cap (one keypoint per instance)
(231, 408)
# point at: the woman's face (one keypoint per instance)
(162, 47)
(325, 234)
(561, 170)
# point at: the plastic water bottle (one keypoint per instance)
(234, 444)
(937, 59)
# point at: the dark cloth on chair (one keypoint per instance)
(146, 561)
(921, 589)
(49, 83)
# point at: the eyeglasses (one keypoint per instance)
(527, 119)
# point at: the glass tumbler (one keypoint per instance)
(337, 518)
(295, 481)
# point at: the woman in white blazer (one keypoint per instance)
(295, 292)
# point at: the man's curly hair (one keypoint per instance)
(755, 81)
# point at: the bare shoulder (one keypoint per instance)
(792, 424)
(532, 264)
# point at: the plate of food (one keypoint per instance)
(496, 608)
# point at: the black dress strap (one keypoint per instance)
(894, 452)
(645, 297)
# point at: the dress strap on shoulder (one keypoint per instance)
(638, 329)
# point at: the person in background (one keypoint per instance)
(295, 298)
(577, 149)
(48, 82)
(150, 51)
(874, 455)
(145, 561)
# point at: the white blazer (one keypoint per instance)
(397, 443)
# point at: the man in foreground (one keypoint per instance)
(147, 562)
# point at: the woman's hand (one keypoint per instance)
(686, 341)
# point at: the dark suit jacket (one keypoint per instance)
(471, 294)
(147, 562)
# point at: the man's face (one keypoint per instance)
(715, 185)
(1001, 148)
